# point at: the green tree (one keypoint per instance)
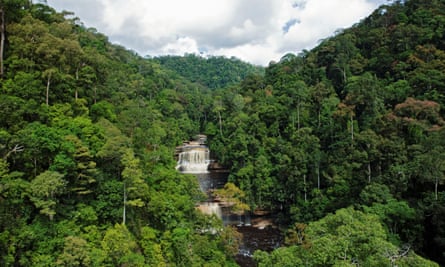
(232, 196)
(42, 144)
(319, 95)
(75, 253)
(110, 154)
(151, 248)
(135, 189)
(281, 257)
(398, 217)
(363, 94)
(429, 162)
(119, 244)
(218, 108)
(346, 238)
(76, 162)
(44, 190)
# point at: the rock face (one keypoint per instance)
(216, 166)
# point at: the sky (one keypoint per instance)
(255, 31)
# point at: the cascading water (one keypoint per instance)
(193, 159)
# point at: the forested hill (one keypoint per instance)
(88, 132)
(344, 144)
(213, 72)
(356, 122)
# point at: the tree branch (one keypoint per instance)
(17, 148)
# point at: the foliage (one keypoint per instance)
(87, 135)
(355, 121)
(88, 132)
(213, 72)
(346, 238)
(233, 197)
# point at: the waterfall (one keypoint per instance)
(193, 159)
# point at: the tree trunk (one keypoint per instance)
(298, 115)
(436, 185)
(48, 83)
(220, 123)
(318, 175)
(305, 189)
(352, 127)
(35, 167)
(369, 172)
(76, 92)
(319, 118)
(2, 39)
(125, 204)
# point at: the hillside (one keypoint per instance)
(344, 144)
(356, 122)
(87, 137)
(212, 72)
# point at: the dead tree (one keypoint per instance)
(17, 148)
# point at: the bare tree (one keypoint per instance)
(393, 256)
(17, 148)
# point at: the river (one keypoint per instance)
(258, 232)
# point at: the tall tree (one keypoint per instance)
(2, 39)
(135, 189)
(44, 190)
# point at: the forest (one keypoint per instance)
(212, 72)
(345, 143)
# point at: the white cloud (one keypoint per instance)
(181, 46)
(257, 31)
(320, 19)
(251, 53)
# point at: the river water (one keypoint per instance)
(258, 232)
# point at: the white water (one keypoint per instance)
(194, 160)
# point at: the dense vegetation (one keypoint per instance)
(87, 138)
(345, 142)
(356, 122)
(213, 72)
